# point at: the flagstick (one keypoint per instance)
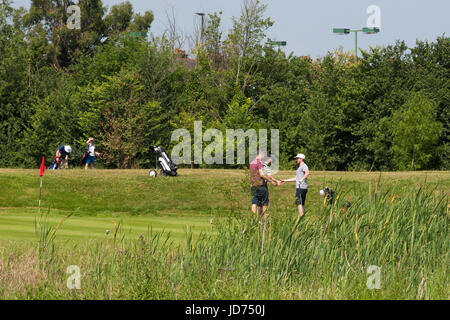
(41, 173)
(40, 194)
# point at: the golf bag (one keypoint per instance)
(57, 162)
(330, 195)
(83, 159)
(168, 167)
(84, 156)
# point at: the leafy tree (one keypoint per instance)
(212, 38)
(244, 40)
(432, 74)
(15, 81)
(323, 127)
(109, 81)
(121, 18)
(53, 123)
(249, 29)
(65, 45)
(121, 119)
(283, 87)
(415, 133)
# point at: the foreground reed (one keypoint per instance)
(325, 255)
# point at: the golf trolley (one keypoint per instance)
(58, 163)
(167, 166)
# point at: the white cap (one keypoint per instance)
(322, 193)
(68, 149)
(300, 155)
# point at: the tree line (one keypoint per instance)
(116, 81)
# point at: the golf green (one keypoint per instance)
(19, 224)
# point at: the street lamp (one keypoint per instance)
(203, 23)
(366, 30)
(277, 43)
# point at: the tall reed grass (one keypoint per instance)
(324, 255)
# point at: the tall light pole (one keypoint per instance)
(203, 24)
(277, 43)
(342, 31)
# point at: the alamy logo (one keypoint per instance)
(74, 21)
(374, 280)
(74, 281)
(374, 20)
(235, 139)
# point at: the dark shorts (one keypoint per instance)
(300, 196)
(90, 159)
(260, 195)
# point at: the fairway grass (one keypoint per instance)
(182, 238)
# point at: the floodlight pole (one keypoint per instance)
(356, 43)
(202, 14)
(347, 31)
(277, 43)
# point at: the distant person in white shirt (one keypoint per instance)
(91, 154)
(301, 183)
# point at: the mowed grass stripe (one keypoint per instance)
(22, 226)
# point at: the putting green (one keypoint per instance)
(19, 224)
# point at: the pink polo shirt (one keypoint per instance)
(255, 178)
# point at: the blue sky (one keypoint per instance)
(307, 25)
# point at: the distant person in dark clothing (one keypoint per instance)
(63, 154)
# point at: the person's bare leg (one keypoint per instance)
(86, 166)
(264, 209)
(255, 212)
(260, 210)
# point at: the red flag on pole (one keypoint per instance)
(42, 169)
